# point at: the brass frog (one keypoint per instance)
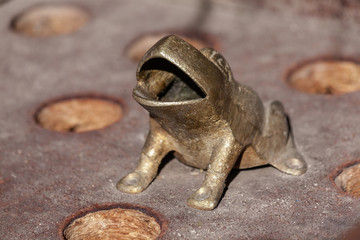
(209, 120)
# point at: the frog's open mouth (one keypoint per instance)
(161, 81)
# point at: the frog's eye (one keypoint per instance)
(161, 80)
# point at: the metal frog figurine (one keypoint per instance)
(198, 111)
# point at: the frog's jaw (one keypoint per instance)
(180, 87)
(162, 83)
(173, 99)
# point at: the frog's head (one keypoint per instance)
(174, 73)
(178, 82)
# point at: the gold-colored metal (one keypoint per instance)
(198, 111)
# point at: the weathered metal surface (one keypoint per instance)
(47, 176)
(201, 113)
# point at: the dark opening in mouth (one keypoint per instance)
(163, 81)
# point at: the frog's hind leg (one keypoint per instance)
(276, 144)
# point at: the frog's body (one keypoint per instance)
(199, 111)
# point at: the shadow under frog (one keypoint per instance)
(198, 111)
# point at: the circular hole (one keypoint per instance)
(122, 221)
(349, 180)
(79, 114)
(50, 20)
(326, 76)
(3, 1)
(141, 45)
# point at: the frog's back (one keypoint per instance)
(246, 116)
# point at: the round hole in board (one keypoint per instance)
(326, 76)
(349, 180)
(114, 221)
(46, 20)
(79, 114)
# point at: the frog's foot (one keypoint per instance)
(291, 162)
(206, 197)
(134, 182)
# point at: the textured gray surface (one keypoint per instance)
(48, 176)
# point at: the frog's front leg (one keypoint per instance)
(155, 149)
(222, 161)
